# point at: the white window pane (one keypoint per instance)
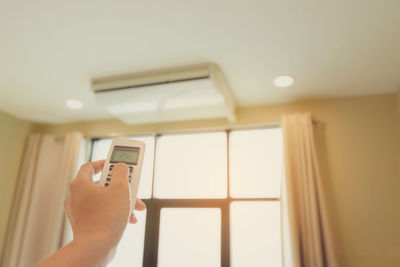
(255, 163)
(130, 248)
(100, 150)
(191, 166)
(255, 234)
(190, 237)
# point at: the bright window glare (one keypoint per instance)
(100, 150)
(130, 248)
(190, 237)
(255, 234)
(191, 166)
(255, 162)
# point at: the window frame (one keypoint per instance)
(154, 205)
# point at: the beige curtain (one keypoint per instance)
(37, 218)
(311, 237)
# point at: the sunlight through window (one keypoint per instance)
(189, 237)
(255, 163)
(191, 166)
(255, 234)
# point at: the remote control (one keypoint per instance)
(131, 153)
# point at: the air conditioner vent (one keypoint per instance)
(172, 94)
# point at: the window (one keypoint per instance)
(213, 199)
(191, 166)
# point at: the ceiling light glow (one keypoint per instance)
(74, 104)
(283, 81)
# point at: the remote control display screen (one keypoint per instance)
(128, 155)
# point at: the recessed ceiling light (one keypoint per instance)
(74, 104)
(283, 81)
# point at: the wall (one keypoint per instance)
(12, 140)
(362, 149)
(398, 102)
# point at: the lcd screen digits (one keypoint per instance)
(129, 156)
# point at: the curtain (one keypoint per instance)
(311, 237)
(37, 219)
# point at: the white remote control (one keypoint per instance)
(131, 153)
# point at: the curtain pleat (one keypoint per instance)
(21, 202)
(36, 221)
(306, 198)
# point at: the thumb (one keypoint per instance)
(119, 177)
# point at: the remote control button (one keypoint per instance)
(111, 167)
(130, 168)
(108, 179)
(106, 184)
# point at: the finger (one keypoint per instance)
(119, 177)
(89, 168)
(132, 219)
(139, 205)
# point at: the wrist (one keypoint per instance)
(96, 249)
(82, 252)
(101, 237)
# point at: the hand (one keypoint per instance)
(98, 217)
(100, 213)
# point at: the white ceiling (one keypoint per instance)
(50, 50)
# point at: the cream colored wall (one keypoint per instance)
(362, 146)
(12, 140)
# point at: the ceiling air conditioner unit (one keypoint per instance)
(173, 94)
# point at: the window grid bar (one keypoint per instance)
(154, 165)
(225, 222)
(150, 251)
(255, 199)
(205, 202)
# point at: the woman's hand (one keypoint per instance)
(96, 211)
(98, 217)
